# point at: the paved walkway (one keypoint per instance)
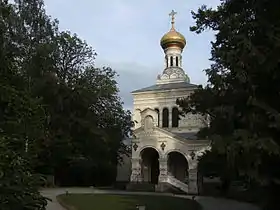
(207, 203)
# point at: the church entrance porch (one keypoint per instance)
(151, 171)
(150, 165)
(177, 166)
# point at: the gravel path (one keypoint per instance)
(207, 203)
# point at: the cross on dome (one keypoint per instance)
(172, 15)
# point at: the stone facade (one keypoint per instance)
(164, 142)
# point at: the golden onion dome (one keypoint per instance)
(173, 37)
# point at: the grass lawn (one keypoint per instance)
(127, 202)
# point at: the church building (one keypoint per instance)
(165, 147)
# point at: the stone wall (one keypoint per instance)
(124, 170)
(164, 99)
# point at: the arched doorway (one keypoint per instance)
(150, 165)
(178, 166)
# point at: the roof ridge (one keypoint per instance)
(168, 86)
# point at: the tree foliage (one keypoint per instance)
(243, 85)
(59, 113)
(19, 186)
(21, 124)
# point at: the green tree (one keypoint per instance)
(18, 185)
(73, 104)
(243, 83)
(21, 124)
(83, 106)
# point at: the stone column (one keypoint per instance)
(193, 182)
(170, 117)
(161, 186)
(165, 62)
(180, 61)
(136, 175)
(193, 178)
(162, 170)
(160, 117)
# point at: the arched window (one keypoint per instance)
(148, 122)
(175, 117)
(171, 61)
(165, 118)
(157, 110)
(166, 60)
(177, 61)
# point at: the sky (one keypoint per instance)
(126, 36)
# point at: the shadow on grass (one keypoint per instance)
(127, 202)
(254, 195)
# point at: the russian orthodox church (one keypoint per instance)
(165, 146)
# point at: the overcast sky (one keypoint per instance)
(126, 36)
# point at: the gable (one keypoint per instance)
(168, 86)
(156, 132)
(162, 133)
(147, 113)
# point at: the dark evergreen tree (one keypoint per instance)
(243, 85)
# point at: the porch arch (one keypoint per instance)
(179, 151)
(149, 146)
(150, 164)
(178, 165)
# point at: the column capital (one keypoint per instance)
(162, 159)
(193, 164)
(192, 171)
(136, 159)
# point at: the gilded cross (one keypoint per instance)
(172, 14)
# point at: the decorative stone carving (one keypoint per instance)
(193, 164)
(135, 146)
(173, 71)
(147, 133)
(162, 146)
(164, 76)
(162, 169)
(200, 152)
(136, 171)
(136, 175)
(173, 76)
(192, 154)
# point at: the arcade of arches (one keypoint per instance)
(168, 117)
(171, 61)
(177, 166)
